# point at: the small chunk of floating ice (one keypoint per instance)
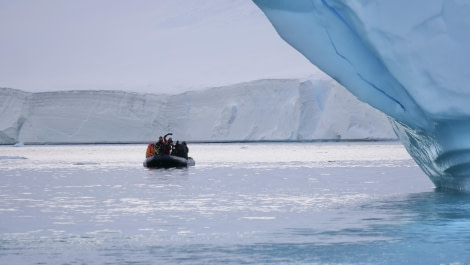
(19, 144)
(259, 217)
(85, 163)
(105, 231)
(185, 232)
(12, 157)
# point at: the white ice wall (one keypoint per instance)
(259, 110)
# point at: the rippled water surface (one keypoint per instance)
(274, 203)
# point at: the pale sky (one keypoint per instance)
(160, 46)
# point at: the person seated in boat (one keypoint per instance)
(180, 150)
(185, 150)
(167, 146)
(159, 146)
(176, 148)
(150, 150)
(164, 137)
(154, 148)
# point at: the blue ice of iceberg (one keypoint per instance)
(409, 59)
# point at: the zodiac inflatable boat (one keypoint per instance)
(168, 161)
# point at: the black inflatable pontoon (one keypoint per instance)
(168, 161)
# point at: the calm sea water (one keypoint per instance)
(276, 203)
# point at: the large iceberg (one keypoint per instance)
(267, 110)
(409, 59)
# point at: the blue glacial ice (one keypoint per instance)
(409, 59)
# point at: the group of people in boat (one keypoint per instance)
(166, 146)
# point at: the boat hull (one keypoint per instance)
(168, 161)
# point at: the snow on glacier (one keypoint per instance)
(407, 59)
(288, 109)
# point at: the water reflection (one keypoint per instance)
(422, 228)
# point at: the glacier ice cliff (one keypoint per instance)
(409, 59)
(254, 111)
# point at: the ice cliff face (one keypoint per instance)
(260, 110)
(408, 59)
